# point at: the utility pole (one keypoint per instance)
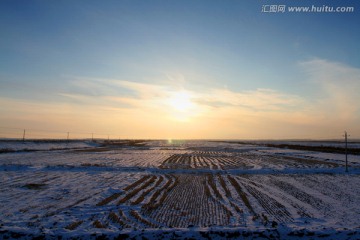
(346, 153)
(24, 136)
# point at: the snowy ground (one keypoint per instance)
(37, 145)
(175, 189)
(335, 143)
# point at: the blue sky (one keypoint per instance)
(77, 56)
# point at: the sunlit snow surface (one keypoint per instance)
(176, 189)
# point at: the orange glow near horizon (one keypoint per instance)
(171, 111)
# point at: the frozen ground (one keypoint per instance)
(319, 143)
(177, 189)
(38, 145)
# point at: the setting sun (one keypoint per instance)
(181, 106)
(181, 101)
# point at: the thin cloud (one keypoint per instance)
(144, 94)
(338, 86)
(257, 100)
(147, 108)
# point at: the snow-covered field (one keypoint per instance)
(36, 145)
(334, 143)
(181, 189)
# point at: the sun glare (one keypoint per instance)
(181, 101)
(181, 106)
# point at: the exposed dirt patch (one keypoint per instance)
(35, 186)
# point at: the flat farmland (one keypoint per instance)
(192, 189)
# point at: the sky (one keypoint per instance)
(179, 69)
